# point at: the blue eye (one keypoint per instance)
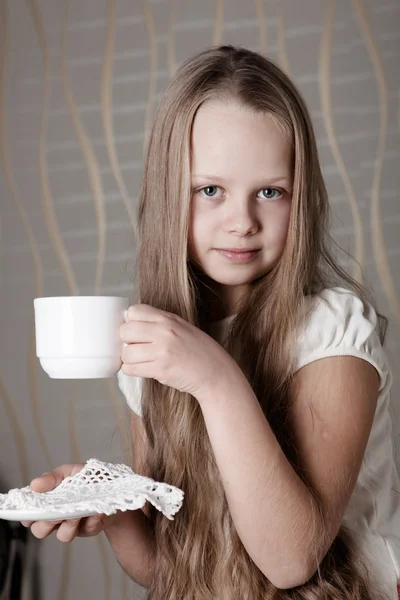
(269, 193)
(210, 191)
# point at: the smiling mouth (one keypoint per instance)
(238, 255)
(238, 250)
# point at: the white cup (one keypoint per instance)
(77, 337)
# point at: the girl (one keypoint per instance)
(254, 365)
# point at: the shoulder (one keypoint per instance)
(336, 322)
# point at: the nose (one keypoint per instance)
(241, 218)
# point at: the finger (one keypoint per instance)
(41, 529)
(26, 523)
(138, 354)
(68, 530)
(141, 369)
(137, 332)
(90, 525)
(48, 481)
(145, 312)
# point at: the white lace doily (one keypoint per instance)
(99, 488)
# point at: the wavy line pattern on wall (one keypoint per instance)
(10, 403)
(171, 37)
(262, 26)
(46, 194)
(327, 114)
(89, 157)
(59, 248)
(107, 114)
(281, 47)
(218, 23)
(151, 33)
(378, 241)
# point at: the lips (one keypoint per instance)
(238, 250)
(237, 255)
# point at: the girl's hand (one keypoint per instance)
(71, 528)
(165, 347)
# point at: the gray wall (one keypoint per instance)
(77, 93)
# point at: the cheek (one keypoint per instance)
(278, 227)
(285, 225)
(199, 227)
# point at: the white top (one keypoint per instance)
(339, 324)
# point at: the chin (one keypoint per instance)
(231, 280)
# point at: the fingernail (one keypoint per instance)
(125, 314)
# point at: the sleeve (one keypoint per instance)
(131, 387)
(339, 323)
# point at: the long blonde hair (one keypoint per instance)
(199, 554)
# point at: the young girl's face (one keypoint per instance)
(241, 196)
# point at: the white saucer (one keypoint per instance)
(99, 488)
(42, 515)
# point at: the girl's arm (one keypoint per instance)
(285, 525)
(130, 540)
(129, 534)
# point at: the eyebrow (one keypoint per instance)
(221, 179)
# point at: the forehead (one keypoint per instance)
(233, 141)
